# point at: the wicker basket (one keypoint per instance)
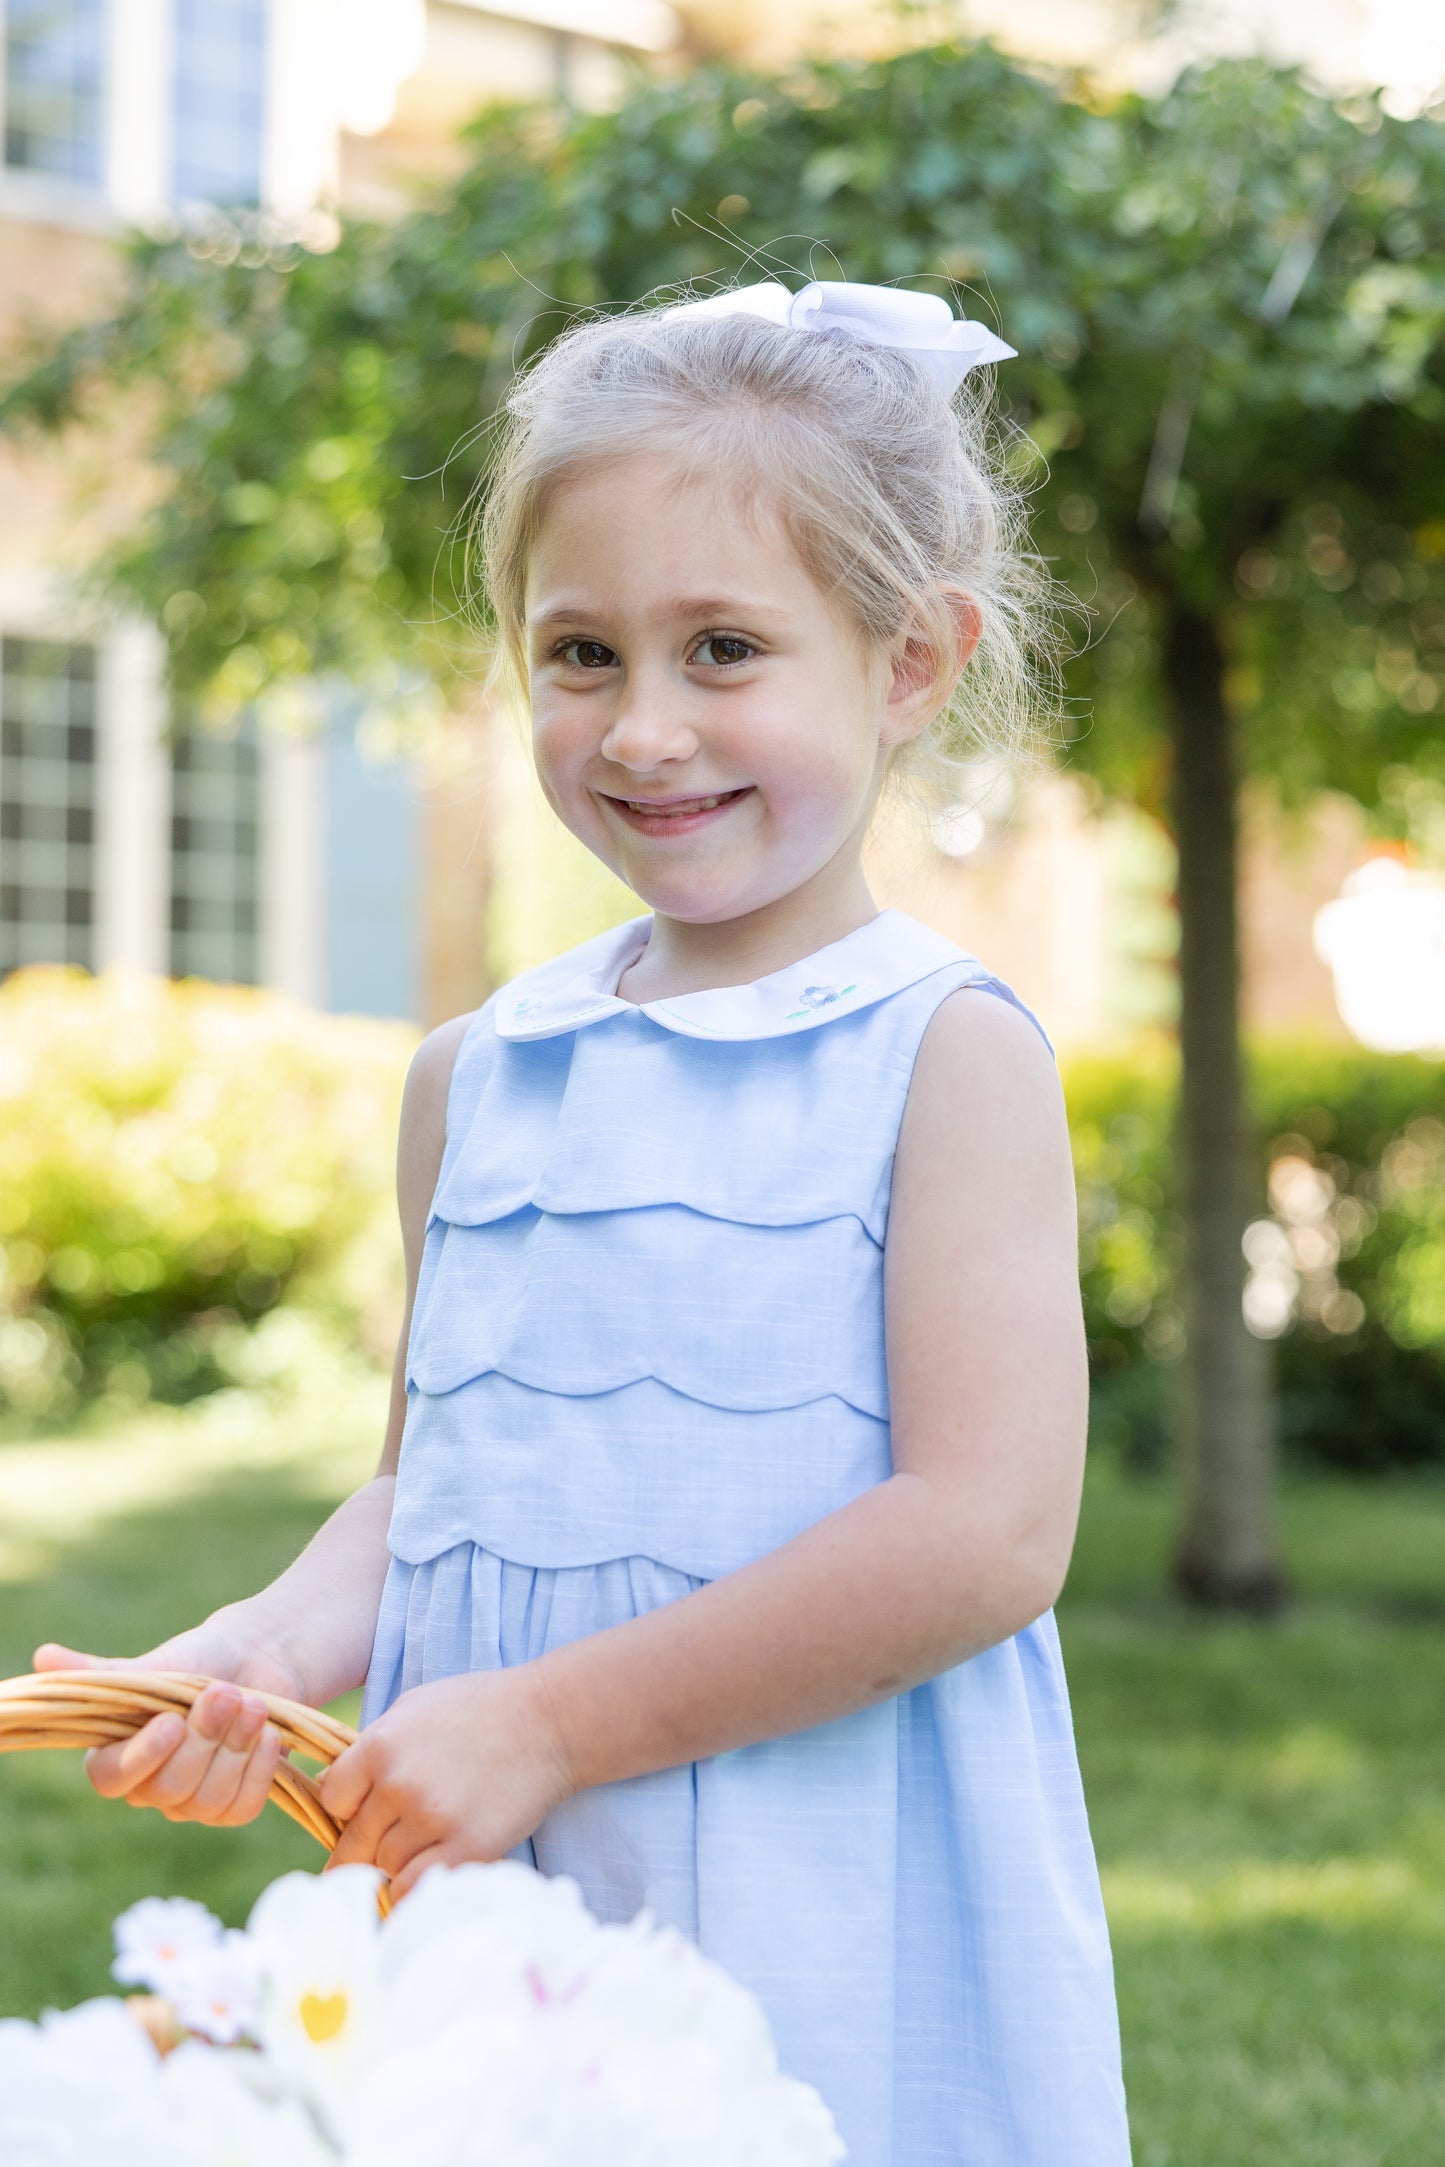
(96, 1707)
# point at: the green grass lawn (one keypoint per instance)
(1268, 1805)
(1268, 1801)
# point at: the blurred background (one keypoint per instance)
(266, 267)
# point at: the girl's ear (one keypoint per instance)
(922, 674)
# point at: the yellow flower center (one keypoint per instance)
(323, 2016)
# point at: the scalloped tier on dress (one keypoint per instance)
(699, 1488)
(589, 1302)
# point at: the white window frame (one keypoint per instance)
(136, 132)
(293, 875)
(132, 847)
(300, 145)
(130, 869)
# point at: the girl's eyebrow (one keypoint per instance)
(685, 605)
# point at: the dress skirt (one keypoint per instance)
(909, 1891)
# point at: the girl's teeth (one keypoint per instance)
(692, 805)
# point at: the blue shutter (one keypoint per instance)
(373, 883)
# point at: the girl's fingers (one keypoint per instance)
(347, 1782)
(434, 1855)
(116, 1771)
(53, 1655)
(398, 1847)
(177, 1780)
(362, 1833)
(167, 1761)
(215, 1794)
(255, 1784)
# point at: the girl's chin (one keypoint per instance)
(686, 905)
(702, 902)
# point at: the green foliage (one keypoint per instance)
(175, 1160)
(1347, 1249)
(1229, 300)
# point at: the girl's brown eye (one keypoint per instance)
(588, 654)
(724, 649)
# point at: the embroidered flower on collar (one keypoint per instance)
(813, 997)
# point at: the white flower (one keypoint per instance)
(474, 2098)
(681, 2058)
(521, 2033)
(502, 1940)
(651, 1994)
(488, 1904)
(158, 1934)
(217, 1992)
(84, 2086)
(315, 1938)
(531, 2099)
(230, 2123)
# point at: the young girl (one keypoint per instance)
(739, 1419)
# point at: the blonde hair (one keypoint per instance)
(888, 492)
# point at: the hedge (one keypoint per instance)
(1346, 1253)
(175, 1160)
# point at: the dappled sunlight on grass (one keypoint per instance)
(1381, 1891)
(322, 1436)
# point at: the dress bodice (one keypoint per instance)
(649, 1314)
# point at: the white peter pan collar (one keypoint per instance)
(890, 952)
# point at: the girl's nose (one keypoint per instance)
(647, 729)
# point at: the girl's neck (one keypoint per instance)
(683, 957)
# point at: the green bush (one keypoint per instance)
(1347, 1252)
(176, 1160)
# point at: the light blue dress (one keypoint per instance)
(647, 1348)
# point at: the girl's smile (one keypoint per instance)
(669, 817)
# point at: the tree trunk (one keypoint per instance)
(1227, 1555)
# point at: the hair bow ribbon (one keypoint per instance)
(921, 325)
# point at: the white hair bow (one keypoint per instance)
(921, 325)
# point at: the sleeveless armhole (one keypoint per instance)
(475, 1044)
(997, 986)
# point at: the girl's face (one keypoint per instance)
(702, 717)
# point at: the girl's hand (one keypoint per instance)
(215, 1764)
(462, 1769)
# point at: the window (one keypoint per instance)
(220, 100)
(54, 56)
(215, 824)
(47, 802)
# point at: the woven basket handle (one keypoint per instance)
(96, 1707)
